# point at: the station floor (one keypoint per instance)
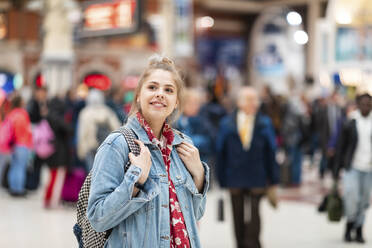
(24, 223)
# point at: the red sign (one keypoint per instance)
(98, 81)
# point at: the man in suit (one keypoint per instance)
(246, 164)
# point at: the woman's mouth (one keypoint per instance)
(158, 104)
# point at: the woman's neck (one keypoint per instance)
(156, 127)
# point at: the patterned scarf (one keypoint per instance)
(179, 237)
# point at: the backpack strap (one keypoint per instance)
(129, 137)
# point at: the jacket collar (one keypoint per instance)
(134, 125)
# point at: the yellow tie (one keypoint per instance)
(243, 132)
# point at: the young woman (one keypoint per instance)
(18, 122)
(158, 200)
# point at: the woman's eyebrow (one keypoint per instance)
(170, 85)
(166, 85)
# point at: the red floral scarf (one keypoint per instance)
(179, 237)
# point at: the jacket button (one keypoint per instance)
(178, 177)
(163, 175)
(165, 205)
(135, 173)
(164, 237)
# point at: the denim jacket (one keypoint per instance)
(141, 221)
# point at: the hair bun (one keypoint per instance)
(157, 58)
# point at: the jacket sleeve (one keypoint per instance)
(343, 147)
(198, 198)
(270, 162)
(110, 201)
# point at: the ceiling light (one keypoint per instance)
(301, 37)
(343, 17)
(294, 18)
(204, 22)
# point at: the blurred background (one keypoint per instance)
(306, 58)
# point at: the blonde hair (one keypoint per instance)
(159, 62)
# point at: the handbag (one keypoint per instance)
(335, 206)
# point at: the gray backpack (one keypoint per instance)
(85, 234)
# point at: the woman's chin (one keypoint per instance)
(156, 115)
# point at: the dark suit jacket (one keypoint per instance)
(254, 168)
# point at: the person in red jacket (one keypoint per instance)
(21, 145)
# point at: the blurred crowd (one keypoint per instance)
(253, 140)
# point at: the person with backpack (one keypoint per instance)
(96, 121)
(158, 200)
(16, 140)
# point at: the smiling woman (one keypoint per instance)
(161, 68)
(158, 98)
(158, 200)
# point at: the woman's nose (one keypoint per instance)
(160, 93)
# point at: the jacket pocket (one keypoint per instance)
(179, 179)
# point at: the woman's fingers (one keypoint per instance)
(187, 145)
(131, 156)
(140, 143)
(142, 146)
(183, 151)
(188, 149)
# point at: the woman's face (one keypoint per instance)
(158, 96)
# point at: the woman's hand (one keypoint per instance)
(191, 158)
(143, 160)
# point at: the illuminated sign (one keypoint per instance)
(2, 27)
(112, 17)
(98, 81)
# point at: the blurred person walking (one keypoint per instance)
(38, 110)
(331, 114)
(95, 123)
(158, 200)
(213, 110)
(59, 160)
(194, 125)
(294, 133)
(115, 101)
(18, 145)
(355, 156)
(246, 165)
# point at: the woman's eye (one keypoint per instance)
(170, 90)
(151, 87)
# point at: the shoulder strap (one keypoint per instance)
(129, 137)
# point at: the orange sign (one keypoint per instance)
(110, 17)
